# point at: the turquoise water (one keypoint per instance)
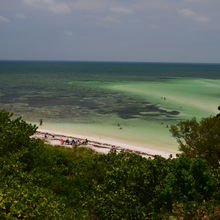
(129, 102)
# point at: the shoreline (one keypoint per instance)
(98, 144)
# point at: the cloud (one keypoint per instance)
(196, 1)
(121, 10)
(202, 19)
(153, 5)
(68, 33)
(20, 16)
(193, 15)
(64, 6)
(89, 5)
(38, 2)
(4, 19)
(156, 9)
(59, 8)
(35, 2)
(187, 12)
(51, 5)
(112, 19)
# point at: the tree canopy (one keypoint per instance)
(199, 138)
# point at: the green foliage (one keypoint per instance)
(199, 139)
(189, 181)
(14, 133)
(29, 202)
(20, 198)
(39, 181)
(131, 187)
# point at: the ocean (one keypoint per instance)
(131, 103)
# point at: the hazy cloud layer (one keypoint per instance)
(68, 6)
(139, 30)
(194, 16)
(4, 19)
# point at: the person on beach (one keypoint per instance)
(72, 142)
(41, 122)
(62, 141)
(112, 150)
(84, 141)
(218, 115)
(119, 126)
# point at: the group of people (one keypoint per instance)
(67, 141)
(113, 150)
(73, 142)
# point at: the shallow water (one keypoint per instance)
(129, 102)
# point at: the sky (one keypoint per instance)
(110, 30)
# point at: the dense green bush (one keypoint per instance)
(199, 138)
(38, 181)
(14, 134)
(133, 187)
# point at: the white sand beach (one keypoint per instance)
(99, 144)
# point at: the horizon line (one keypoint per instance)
(106, 61)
